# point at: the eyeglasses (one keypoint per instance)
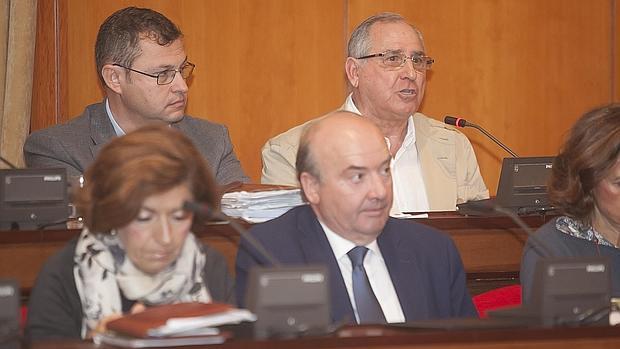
(167, 76)
(397, 59)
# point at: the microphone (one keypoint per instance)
(206, 212)
(459, 122)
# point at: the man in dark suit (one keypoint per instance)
(142, 65)
(381, 269)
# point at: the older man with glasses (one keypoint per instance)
(434, 167)
(143, 67)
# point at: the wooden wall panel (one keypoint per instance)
(261, 66)
(524, 70)
(269, 65)
(615, 53)
(46, 78)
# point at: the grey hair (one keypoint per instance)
(359, 43)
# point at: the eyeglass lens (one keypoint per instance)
(397, 60)
(167, 76)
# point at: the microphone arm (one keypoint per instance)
(207, 212)
(537, 242)
(488, 206)
(458, 122)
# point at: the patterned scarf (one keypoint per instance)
(579, 230)
(102, 271)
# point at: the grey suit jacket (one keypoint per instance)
(75, 145)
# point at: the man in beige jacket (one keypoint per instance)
(433, 166)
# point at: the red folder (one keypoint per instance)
(139, 324)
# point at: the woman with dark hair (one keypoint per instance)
(585, 187)
(137, 248)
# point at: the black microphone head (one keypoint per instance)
(458, 122)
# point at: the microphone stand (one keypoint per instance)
(459, 122)
(514, 155)
(209, 213)
(243, 233)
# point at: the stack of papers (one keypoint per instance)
(132, 342)
(408, 215)
(173, 325)
(260, 206)
(201, 325)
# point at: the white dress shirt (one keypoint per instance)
(377, 272)
(117, 128)
(407, 179)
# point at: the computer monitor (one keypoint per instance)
(522, 188)
(572, 290)
(523, 183)
(288, 301)
(566, 291)
(32, 198)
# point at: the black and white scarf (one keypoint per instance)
(102, 271)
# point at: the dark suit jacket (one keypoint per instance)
(424, 264)
(74, 145)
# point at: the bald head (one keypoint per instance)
(343, 165)
(333, 131)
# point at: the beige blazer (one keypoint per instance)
(449, 165)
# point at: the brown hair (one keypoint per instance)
(118, 40)
(148, 161)
(591, 150)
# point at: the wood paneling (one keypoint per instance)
(261, 66)
(45, 78)
(524, 70)
(615, 18)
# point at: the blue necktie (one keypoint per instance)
(368, 308)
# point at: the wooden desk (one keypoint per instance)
(489, 246)
(378, 337)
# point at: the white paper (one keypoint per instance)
(402, 215)
(177, 325)
(260, 206)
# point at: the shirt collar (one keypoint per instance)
(117, 128)
(349, 105)
(340, 246)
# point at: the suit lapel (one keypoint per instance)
(406, 276)
(433, 152)
(317, 250)
(101, 129)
